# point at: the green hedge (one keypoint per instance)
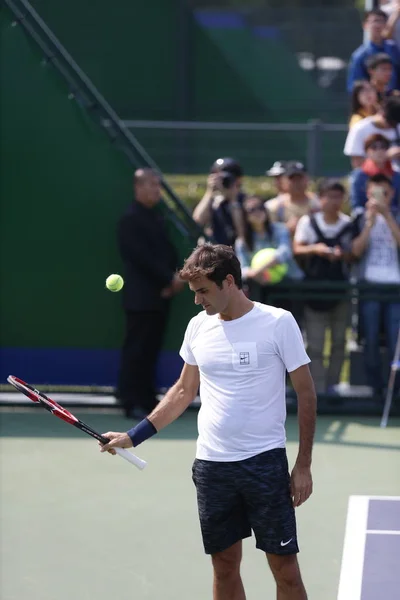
(191, 188)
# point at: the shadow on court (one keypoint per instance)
(36, 423)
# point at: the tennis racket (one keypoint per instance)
(60, 412)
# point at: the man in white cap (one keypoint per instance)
(277, 171)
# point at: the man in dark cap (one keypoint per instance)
(220, 209)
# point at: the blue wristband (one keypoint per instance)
(142, 432)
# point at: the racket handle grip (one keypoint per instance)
(135, 460)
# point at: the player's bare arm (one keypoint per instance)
(174, 403)
(177, 399)
(301, 479)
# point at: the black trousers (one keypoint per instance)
(143, 339)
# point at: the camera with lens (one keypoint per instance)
(227, 179)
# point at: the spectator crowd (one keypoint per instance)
(342, 232)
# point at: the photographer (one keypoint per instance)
(377, 247)
(220, 210)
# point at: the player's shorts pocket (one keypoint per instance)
(244, 356)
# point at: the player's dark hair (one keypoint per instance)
(379, 178)
(376, 12)
(330, 185)
(214, 261)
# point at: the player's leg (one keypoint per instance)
(223, 524)
(286, 572)
(227, 581)
(266, 489)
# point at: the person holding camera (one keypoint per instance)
(377, 247)
(220, 210)
(376, 147)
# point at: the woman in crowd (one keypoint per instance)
(364, 102)
(261, 233)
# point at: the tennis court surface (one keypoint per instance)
(78, 524)
(370, 568)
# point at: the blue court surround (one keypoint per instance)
(77, 366)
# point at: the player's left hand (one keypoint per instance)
(301, 485)
(117, 440)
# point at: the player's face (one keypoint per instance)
(212, 298)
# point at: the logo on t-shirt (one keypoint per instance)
(244, 358)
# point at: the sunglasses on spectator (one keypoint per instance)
(379, 146)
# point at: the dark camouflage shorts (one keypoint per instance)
(236, 498)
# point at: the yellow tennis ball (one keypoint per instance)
(273, 274)
(114, 283)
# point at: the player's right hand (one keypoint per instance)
(117, 440)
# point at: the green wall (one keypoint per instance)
(129, 49)
(62, 189)
(162, 60)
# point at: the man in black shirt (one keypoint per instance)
(150, 264)
(220, 210)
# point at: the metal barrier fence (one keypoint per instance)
(190, 147)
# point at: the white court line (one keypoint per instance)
(350, 583)
(351, 573)
(383, 531)
(394, 498)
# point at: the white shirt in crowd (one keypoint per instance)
(357, 135)
(389, 8)
(382, 256)
(242, 365)
(305, 233)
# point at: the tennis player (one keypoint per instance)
(238, 351)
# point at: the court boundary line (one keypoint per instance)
(352, 567)
(351, 572)
(383, 531)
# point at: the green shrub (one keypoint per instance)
(191, 188)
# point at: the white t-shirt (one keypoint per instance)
(305, 233)
(242, 365)
(389, 8)
(357, 135)
(382, 257)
